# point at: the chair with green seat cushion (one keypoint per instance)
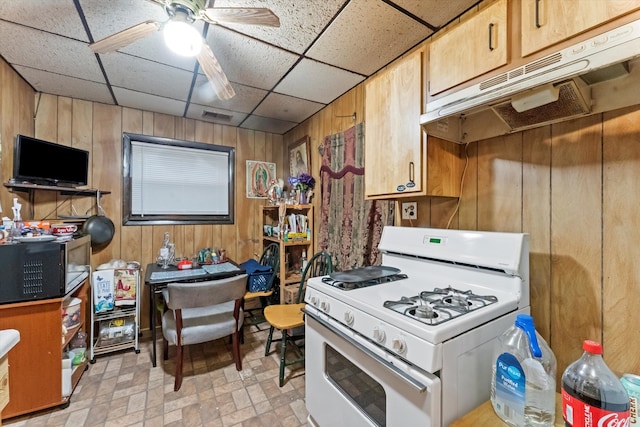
(290, 316)
(199, 312)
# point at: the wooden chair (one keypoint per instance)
(201, 312)
(270, 256)
(289, 316)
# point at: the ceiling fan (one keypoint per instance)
(183, 38)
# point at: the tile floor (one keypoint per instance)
(122, 389)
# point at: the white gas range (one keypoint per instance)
(412, 340)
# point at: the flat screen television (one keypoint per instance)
(40, 162)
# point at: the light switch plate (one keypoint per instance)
(409, 210)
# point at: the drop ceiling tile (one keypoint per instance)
(266, 124)
(105, 18)
(436, 12)
(148, 102)
(108, 17)
(52, 16)
(145, 76)
(246, 99)
(328, 82)
(367, 35)
(215, 115)
(287, 108)
(300, 21)
(44, 51)
(247, 61)
(57, 84)
(45, 41)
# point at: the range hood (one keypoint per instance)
(596, 75)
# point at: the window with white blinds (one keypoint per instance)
(180, 182)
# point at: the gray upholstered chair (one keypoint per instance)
(202, 311)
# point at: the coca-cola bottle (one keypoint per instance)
(592, 395)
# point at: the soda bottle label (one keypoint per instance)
(579, 414)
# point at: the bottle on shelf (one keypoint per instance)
(303, 260)
(523, 382)
(591, 393)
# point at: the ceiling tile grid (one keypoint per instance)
(281, 75)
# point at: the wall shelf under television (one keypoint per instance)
(67, 191)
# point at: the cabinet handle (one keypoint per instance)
(538, 14)
(411, 172)
(491, 36)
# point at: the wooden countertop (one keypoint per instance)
(484, 415)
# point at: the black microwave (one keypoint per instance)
(41, 270)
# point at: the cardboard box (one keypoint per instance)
(291, 293)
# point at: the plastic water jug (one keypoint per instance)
(523, 384)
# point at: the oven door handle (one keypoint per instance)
(393, 368)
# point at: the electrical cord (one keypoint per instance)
(464, 172)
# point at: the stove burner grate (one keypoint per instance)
(438, 306)
(348, 286)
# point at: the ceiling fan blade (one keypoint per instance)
(241, 15)
(214, 73)
(125, 37)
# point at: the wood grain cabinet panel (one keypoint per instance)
(399, 159)
(469, 49)
(36, 361)
(393, 141)
(547, 22)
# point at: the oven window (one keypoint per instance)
(357, 385)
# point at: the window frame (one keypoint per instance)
(129, 218)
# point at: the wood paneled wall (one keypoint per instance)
(98, 128)
(574, 188)
(336, 117)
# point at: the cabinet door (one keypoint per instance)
(470, 49)
(393, 138)
(547, 22)
(35, 370)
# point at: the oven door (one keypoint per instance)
(352, 382)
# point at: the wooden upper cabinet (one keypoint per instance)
(399, 160)
(547, 22)
(393, 138)
(469, 49)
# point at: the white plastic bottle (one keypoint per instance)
(523, 384)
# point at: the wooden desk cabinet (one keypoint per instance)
(36, 361)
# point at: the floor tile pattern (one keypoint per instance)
(123, 389)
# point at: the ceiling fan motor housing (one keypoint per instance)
(191, 8)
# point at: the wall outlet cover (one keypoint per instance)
(409, 210)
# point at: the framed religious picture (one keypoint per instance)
(259, 177)
(299, 156)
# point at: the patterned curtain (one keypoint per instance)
(351, 226)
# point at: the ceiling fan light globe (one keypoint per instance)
(182, 38)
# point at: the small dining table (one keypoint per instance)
(157, 278)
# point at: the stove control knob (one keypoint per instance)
(314, 300)
(399, 345)
(324, 306)
(348, 318)
(378, 334)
